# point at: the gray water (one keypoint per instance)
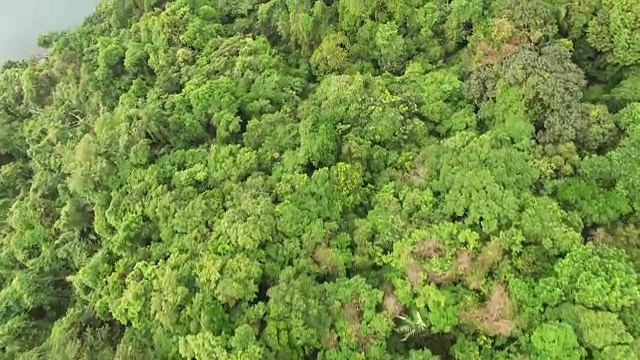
(21, 21)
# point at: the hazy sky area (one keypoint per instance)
(21, 21)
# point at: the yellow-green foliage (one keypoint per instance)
(337, 179)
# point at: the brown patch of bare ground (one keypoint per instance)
(351, 310)
(599, 236)
(475, 270)
(464, 260)
(429, 248)
(414, 272)
(330, 340)
(391, 304)
(506, 41)
(421, 253)
(439, 278)
(494, 318)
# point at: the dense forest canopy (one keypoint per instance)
(299, 179)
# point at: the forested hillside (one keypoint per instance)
(338, 180)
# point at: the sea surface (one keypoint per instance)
(21, 21)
